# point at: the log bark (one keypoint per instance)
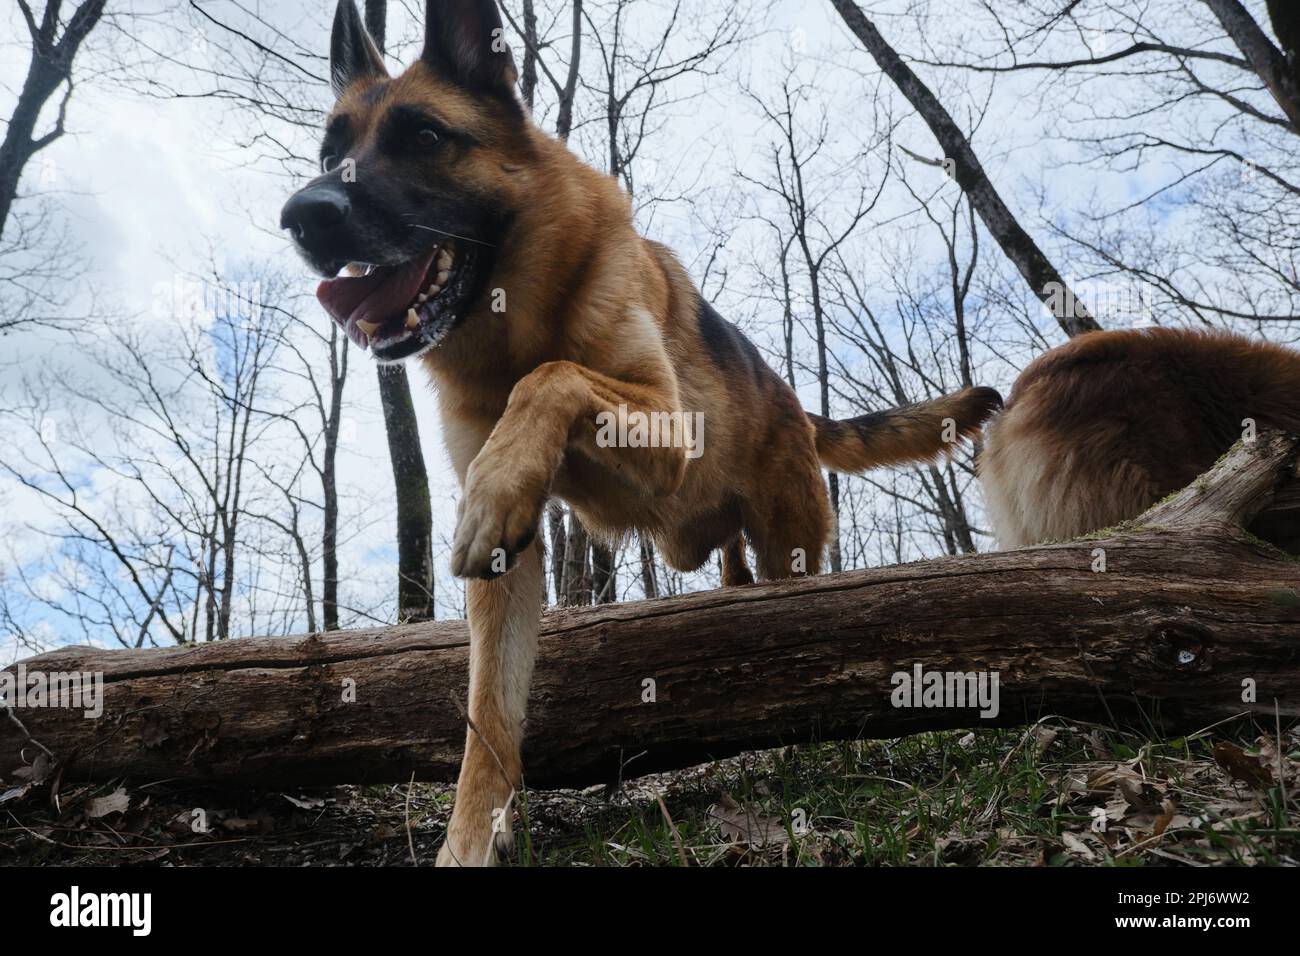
(1189, 608)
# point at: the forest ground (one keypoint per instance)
(1057, 793)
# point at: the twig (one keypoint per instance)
(406, 813)
(672, 828)
(9, 711)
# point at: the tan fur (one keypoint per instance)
(1102, 427)
(596, 318)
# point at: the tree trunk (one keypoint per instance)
(564, 115)
(966, 168)
(577, 572)
(649, 580)
(528, 72)
(555, 521)
(410, 480)
(604, 581)
(50, 66)
(1270, 64)
(1192, 621)
(411, 484)
(329, 481)
(1285, 17)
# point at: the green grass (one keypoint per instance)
(989, 797)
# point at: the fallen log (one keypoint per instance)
(1181, 615)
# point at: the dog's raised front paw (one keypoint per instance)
(495, 525)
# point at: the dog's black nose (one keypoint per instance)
(311, 214)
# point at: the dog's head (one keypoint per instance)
(415, 191)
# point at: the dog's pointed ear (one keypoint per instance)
(353, 53)
(465, 41)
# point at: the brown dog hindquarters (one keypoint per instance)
(1099, 429)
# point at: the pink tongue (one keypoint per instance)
(379, 297)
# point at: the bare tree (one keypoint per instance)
(1160, 89)
(273, 79)
(958, 156)
(172, 433)
(316, 422)
(638, 78)
(37, 253)
(1269, 63)
(811, 229)
(54, 47)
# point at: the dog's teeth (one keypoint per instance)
(370, 328)
(444, 260)
(422, 298)
(441, 278)
(433, 288)
(412, 320)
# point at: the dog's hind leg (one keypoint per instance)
(503, 621)
(735, 569)
(790, 528)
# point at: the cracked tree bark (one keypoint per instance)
(1190, 611)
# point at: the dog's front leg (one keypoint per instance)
(551, 410)
(505, 488)
(503, 619)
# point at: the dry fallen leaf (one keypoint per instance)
(260, 821)
(1043, 738)
(305, 803)
(37, 773)
(1278, 762)
(1168, 811)
(744, 825)
(1098, 746)
(1240, 767)
(1102, 780)
(115, 802)
(1140, 794)
(1078, 847)
(15, 794)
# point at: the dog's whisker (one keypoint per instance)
(416, 225)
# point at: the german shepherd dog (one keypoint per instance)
(473, 240)
(1099, 429)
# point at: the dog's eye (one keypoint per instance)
(427, 136)
(328, 162)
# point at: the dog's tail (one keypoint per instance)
(919, 432)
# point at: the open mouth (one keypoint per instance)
(400, 311)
